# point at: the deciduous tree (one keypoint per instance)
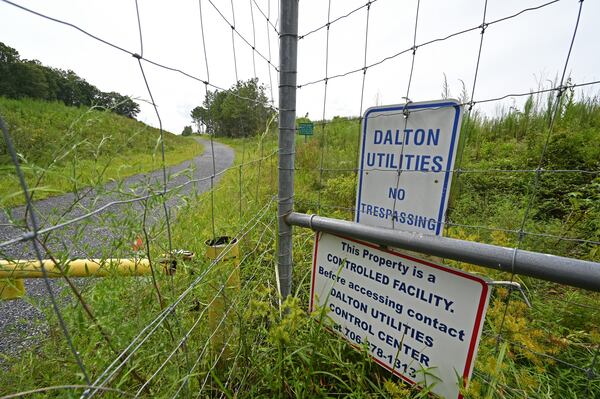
(241, 111)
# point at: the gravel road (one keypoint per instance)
(21, 320)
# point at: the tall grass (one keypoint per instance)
(488, 203)
(278, 350)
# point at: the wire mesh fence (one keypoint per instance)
(507, 171)
(179, 320)
(214, 326)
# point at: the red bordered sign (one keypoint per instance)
(414, 316)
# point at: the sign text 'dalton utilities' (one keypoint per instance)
(405, 168)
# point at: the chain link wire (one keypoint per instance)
(33, 232)
(327, 177)
(323, 145)
(145, 197)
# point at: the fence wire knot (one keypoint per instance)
(538, 172)
(561, 90)
(31, 235)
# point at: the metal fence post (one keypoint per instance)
(288, 50)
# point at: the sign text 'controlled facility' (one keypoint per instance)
(412, 314)
(407, 155)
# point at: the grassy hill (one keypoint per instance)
(64, 148)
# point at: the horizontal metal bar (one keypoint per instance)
(558, 269)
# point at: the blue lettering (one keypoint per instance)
(388, 137)
(370, 159)
(424, 167)
(433, 137)
(431, 224)
(377, 137)
(437, 163)
(419, 137)
(397, 193)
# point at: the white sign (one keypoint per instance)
(412, 314)
(407, 154)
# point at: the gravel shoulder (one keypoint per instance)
(21, 320)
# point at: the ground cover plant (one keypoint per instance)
(257, 346)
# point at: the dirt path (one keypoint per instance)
(21, 321)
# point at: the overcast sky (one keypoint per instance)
(517, 54)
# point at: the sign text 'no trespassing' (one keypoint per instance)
(407, 156)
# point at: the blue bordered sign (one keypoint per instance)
(407, 155)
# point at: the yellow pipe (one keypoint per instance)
(12, 272)
(11, 269)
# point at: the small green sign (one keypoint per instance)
(306, 128)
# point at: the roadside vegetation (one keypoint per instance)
(64, 149)
(488, 203)
(267, 349)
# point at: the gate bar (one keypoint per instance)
(558, 269)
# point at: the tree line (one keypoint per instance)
(240, 111)
(29, 78)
